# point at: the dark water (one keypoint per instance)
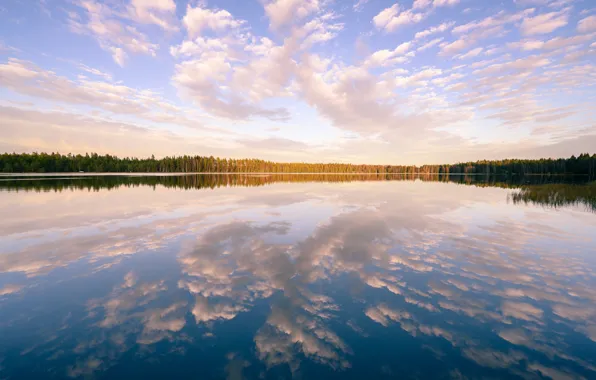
(304, 277)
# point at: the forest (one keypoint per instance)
(583, 164)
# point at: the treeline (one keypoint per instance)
(57, 163)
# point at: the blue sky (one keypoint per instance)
(424, 81)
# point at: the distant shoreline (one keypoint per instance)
(171, 174)
(44, 164)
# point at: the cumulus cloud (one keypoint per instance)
(197, 19)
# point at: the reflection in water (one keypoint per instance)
(370, 276)
(558, 195)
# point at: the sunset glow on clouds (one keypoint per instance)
(363, 81)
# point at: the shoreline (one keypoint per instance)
(168, 174)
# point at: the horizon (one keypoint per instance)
(190, 156)
(412, 82)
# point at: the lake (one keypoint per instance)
(297, 277)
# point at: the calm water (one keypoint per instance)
(304, 277)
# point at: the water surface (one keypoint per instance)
(304, 277)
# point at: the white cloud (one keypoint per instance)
(470, 54)
(25, 78)
(281, 12)
(434, 29)
(442, 3)
(418, 79)
(95, 71)
(198, 80)
(158, 12)
(197, 19)
(389, 19)
(389, 57)
(228, 74)
(456, 46)
(526, 45)
(118, 55)
(421, 4)
(200, 46)
(492, 23)
(113, 35)
(587, 25)
(544, 23)
(552, 44)
(429, 44)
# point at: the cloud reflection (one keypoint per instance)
(451, 264)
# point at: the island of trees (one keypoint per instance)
(584, 164)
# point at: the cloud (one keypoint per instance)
(389, 57)
(488, 25)
(197, 80)
(227, 71)
(389, 19)
(470, 54)
(28, 131)
(587, 25)
(10, 289)
(197, 19)
(544, 23)
(442, 3)
(429, 44)
(281, 12)
(26, 78)
(521, 311)
(456, 46)
(383, 314)
(158, 12)
(113, 35)
(95, 72)
(359, 5)
(230, 77)
(435, 29)
(552, 44)
(421, 4)
(203, 311)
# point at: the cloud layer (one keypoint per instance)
(430, 81)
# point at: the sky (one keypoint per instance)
(361, 81)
